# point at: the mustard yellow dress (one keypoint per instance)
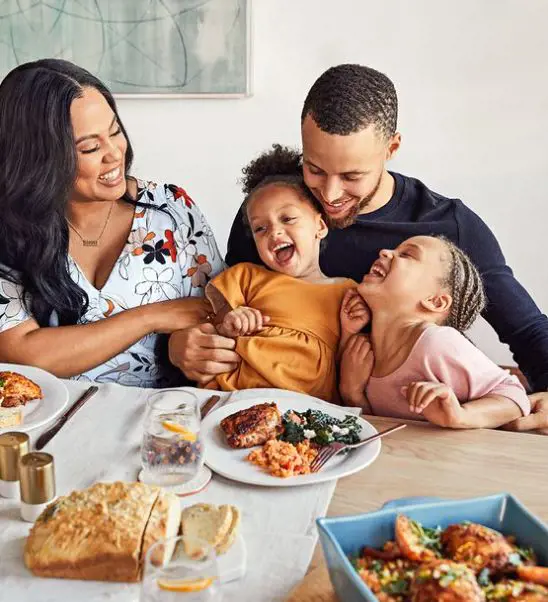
(297, 348)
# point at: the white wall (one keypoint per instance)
(472, 78)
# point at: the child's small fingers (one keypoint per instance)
(426, 400)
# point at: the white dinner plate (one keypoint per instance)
(41, 411)
(232, 463)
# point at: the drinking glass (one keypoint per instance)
(180, 569)
(172, 451)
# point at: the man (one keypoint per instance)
(349, 133)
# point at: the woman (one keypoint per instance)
(94, 264)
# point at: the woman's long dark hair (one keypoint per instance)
(39, 168)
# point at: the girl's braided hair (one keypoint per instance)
(281, 165)
(464, 281)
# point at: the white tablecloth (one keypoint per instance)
(101, 442)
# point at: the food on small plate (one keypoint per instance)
(217, 525)
(102, 533)
(252, 426)
(466, 562)
(10, 417)
(283, 459)
(289, 443)
(17, 390)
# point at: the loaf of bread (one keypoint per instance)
(101, 533)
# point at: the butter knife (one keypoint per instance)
(48, 435)
(209, 405)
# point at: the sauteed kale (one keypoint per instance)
(319, 428)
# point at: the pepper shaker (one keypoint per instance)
(13, 446)
(37, 484)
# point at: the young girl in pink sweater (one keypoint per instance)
(416, 363)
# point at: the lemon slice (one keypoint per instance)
(181, 430)
(185, 585)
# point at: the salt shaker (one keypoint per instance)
(12, 447)
(37, 484)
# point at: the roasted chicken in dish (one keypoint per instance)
(252, 426)
(17, 390)
(445, 581)
(476, 546)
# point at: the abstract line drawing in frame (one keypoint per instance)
(139, 48)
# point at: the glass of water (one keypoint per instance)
(180, 568)
(172, 451)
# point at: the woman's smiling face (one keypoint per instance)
(100, 148)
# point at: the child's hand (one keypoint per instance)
(436, 402)
(356, 365)
(242, 321)
(354, 312)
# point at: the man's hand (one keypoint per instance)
(437, 402)
(200, 353)
(242, 321)
(354, 313)
(538, 418)
(356, 365)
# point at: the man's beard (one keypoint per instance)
(350, 217)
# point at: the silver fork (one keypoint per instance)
(327, 452)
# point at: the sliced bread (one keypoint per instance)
(205, 522)
(224, 545)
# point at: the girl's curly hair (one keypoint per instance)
(281, 166)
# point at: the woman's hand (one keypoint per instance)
(356, 365)
(242, 321)
(354, 313)
(436, 401)
(169, 316)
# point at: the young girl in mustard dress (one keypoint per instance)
(284, 316)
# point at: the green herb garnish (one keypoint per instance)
(428, 537)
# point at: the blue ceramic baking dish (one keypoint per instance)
(347, 535)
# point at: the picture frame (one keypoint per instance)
(169, 49)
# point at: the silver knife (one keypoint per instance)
(48, 435)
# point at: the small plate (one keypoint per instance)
(232, 463)
(40, 412)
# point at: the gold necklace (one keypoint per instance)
(87, 242)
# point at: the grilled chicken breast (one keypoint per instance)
(252, 426)
(17, 390)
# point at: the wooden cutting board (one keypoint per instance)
(315, 587)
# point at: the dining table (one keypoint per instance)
(423, 460)
(101, 442)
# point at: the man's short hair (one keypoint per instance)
(348, 98)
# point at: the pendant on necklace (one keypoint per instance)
(89, 243)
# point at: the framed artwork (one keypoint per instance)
(138, 48)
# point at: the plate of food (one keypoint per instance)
(29, 397)
(273, 443)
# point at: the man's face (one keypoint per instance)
(345, 173)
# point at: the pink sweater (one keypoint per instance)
(441, 354)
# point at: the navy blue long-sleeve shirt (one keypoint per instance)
(415, 210)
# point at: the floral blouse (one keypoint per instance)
(170, 253)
